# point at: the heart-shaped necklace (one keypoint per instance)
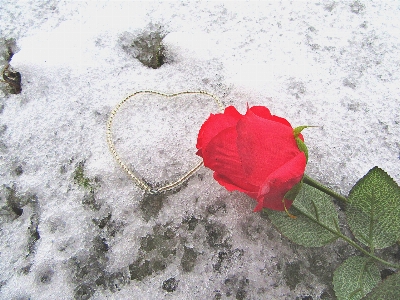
(140, 182)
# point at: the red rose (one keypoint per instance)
(255, 153)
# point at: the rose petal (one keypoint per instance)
(281, 120)
(263, 146)
(221, 156)
(279, 182)
(261, 111)
(225, 182)
(214, 125)
(264, 113)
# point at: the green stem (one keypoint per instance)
(351, 242)
(308, 180)
(347, 239)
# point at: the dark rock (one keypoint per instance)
(218, 206)
(14, 203)
(357, 7)
(386, 272)
(191, 222)
(139, 270)
(188, 260)
(103, 221)
(99, 244)
(170, 285)
(291, 274)
(305, 297)
(151, 205)
(45, 275)
(147, 47)
(216, 233)
(227, 257)
(12, 79)
(237, 286)
(18, 171)
(83, 292)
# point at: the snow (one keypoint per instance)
(331, 64)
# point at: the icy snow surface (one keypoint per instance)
(74, 226)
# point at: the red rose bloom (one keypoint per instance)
(255, 153)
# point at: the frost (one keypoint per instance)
(74, 225)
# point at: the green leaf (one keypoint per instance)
(355, 278)
(388, 289)
(373, 212)
(316, 220)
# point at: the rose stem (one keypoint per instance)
(308, 180)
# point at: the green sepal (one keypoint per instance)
(300, 144)
(294, 191)
(298, 129)
(302, 147)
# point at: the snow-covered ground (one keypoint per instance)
(73, 225)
